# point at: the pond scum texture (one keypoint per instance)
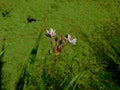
(27, 61)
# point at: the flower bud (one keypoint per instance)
(51, 41)
(56, 39)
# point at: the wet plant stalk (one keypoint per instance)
(43, 82)
(1, 62)
(26, 77)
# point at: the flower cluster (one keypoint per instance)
(59, 43)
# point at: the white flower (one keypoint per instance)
(50, 33)
(73, 41)
(70, 40)
(68, 37)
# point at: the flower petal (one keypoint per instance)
(70, 40)
(73, 41)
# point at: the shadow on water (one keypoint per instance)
(109, 59)
(108, 56)
(1, 62)
(111, 34)
(112, 66)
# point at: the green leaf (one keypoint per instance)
(75, 79)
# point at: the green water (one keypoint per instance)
(95, 24)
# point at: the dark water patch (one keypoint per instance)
(55, 6)
(31, 19)
(113, 68)
(5, 13)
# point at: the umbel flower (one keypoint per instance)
(70, 40)
(50, 33)
(59, 43)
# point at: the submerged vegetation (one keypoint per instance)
(90, 61)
